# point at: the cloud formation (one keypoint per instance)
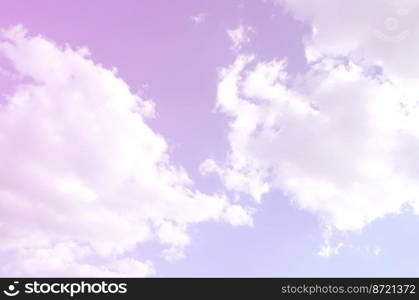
(83, 178)
(340, 140)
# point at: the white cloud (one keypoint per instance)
(81, 171)
(338, 141)
(240, 36)
(238, 216)
(341, 140)
(69, 259)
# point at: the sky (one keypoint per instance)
(244, 138)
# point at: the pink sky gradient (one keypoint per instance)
(177, 55)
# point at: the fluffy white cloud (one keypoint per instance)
(339, 141)
(342, 139)
(239, 216)
(83, 178)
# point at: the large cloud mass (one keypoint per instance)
(342, 139)
(83, 178)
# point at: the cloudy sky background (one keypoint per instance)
(209, 138)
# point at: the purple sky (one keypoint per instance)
(306, 117)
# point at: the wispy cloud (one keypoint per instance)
(240, 36)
